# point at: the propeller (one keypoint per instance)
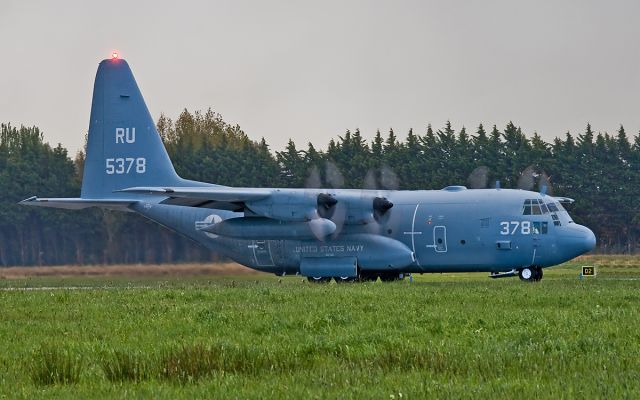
(327, 206)
(528, 178)
(335, 179)
(479, 178)
(380, 205)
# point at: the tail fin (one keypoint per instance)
(124, 148)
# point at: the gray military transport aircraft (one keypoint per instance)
(323, 234)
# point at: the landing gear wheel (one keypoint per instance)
(530, 274)
(391, 277)
(318, 279)
(527, 274)
(368, 277)
(345, 279)
(539, 274)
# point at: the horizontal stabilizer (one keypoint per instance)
(78, 203)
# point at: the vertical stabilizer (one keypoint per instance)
(124, 148)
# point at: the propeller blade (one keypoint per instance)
(313, 180)
(527, 178)
(544, 184)
(389, 179)
(339, 216)
(479, 178)
(370, 180)
(322, 227)
(334, 176)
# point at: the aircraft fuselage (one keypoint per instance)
(450, 230)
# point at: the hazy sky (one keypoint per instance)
(309, 70)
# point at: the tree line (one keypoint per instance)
(600, 170)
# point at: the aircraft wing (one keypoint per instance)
(223, 198)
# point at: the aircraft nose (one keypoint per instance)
(589, 239)
(576, 240)
(583, 238)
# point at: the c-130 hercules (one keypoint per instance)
(323, 234)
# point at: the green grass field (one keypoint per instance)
(441, 336)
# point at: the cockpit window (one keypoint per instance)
(526, 210)
(543, 206)
(534, 207)
(553, 207)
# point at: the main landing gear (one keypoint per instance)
(363, 277)
(530, 274)
(319, 279)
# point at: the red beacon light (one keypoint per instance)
(114, 55)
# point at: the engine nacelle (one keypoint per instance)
(287, 206)
(361, 207)
(353, 207)
(272, 229)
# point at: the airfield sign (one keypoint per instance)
(588, 270)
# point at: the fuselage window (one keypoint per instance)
(540, 227)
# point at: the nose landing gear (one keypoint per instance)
(530, 274)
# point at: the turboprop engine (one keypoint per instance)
(358, 207)
(316, 214)
(350, 207)
(284, 206)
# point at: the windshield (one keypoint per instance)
(534, 207)
(558, 213)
